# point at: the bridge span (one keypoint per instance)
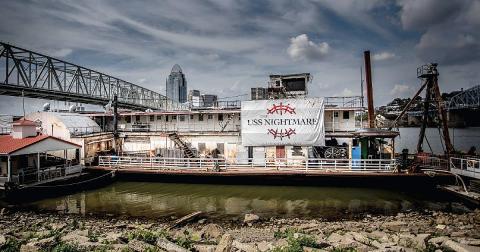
(35, 75)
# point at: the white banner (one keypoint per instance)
(283, 122)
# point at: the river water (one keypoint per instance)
(462, 139)
(153, 200)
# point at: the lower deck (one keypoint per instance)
(256, 176)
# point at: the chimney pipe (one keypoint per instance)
(368, 77)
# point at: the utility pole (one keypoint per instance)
(361, 85)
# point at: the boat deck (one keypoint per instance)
(334, 172)
(470, 196)
(253, 171)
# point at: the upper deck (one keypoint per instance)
(341, 115)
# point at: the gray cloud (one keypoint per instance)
(420, 15)
(450, 29)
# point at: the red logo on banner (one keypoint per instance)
(281, 109)
(281, 133)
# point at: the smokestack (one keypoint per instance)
(368, 76)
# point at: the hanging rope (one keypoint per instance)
(428, 143)
(441, 139)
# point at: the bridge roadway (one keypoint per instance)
(35, 75)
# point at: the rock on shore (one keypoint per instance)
(430, 231)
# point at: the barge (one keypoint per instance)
(279, 132)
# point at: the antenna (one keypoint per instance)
(23, 104)
(361, 83)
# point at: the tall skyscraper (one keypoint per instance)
(177, 85)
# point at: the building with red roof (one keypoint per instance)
(28, 156)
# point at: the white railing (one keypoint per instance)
(81, 131)
(344, 101)
(182, 126)
(46, 173)
(469, 167)
(433, 162)
(3, 180)
(300, 165)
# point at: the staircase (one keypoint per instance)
(182, 145)
(225, 124)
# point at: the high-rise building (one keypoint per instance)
(194, 98)
(177, 85)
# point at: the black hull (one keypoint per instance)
(89, 181)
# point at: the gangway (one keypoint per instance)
(468, 167)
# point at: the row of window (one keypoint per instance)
(181, 118)
(346, 114)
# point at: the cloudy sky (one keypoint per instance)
(227, 46)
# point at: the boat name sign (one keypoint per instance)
(283, 122)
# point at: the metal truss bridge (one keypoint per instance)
(31, 74)
(468, 99)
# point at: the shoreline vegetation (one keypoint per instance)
(25, 230)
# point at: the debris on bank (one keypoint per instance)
(430, 231)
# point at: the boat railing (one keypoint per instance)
(29, 176)
(344, 101)
(259, 164)
(3, 180)
(468, 166)
(432, 162)
(5, 130)
(81, 131)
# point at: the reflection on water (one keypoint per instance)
(163, 199)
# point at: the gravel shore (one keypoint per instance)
(413, 231)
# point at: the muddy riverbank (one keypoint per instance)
(411, 231)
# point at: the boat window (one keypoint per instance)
(152, 118)
(166, 118)
(128, 119)
(346, 115)
(335, 114)
(210, 117)
(201, 147)
(220, 117)
(191, 117)
(137, 118)
(221, 147)
(297, 151)
(159, 117)
(200, 117)
(182, 118)
(174, 117)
